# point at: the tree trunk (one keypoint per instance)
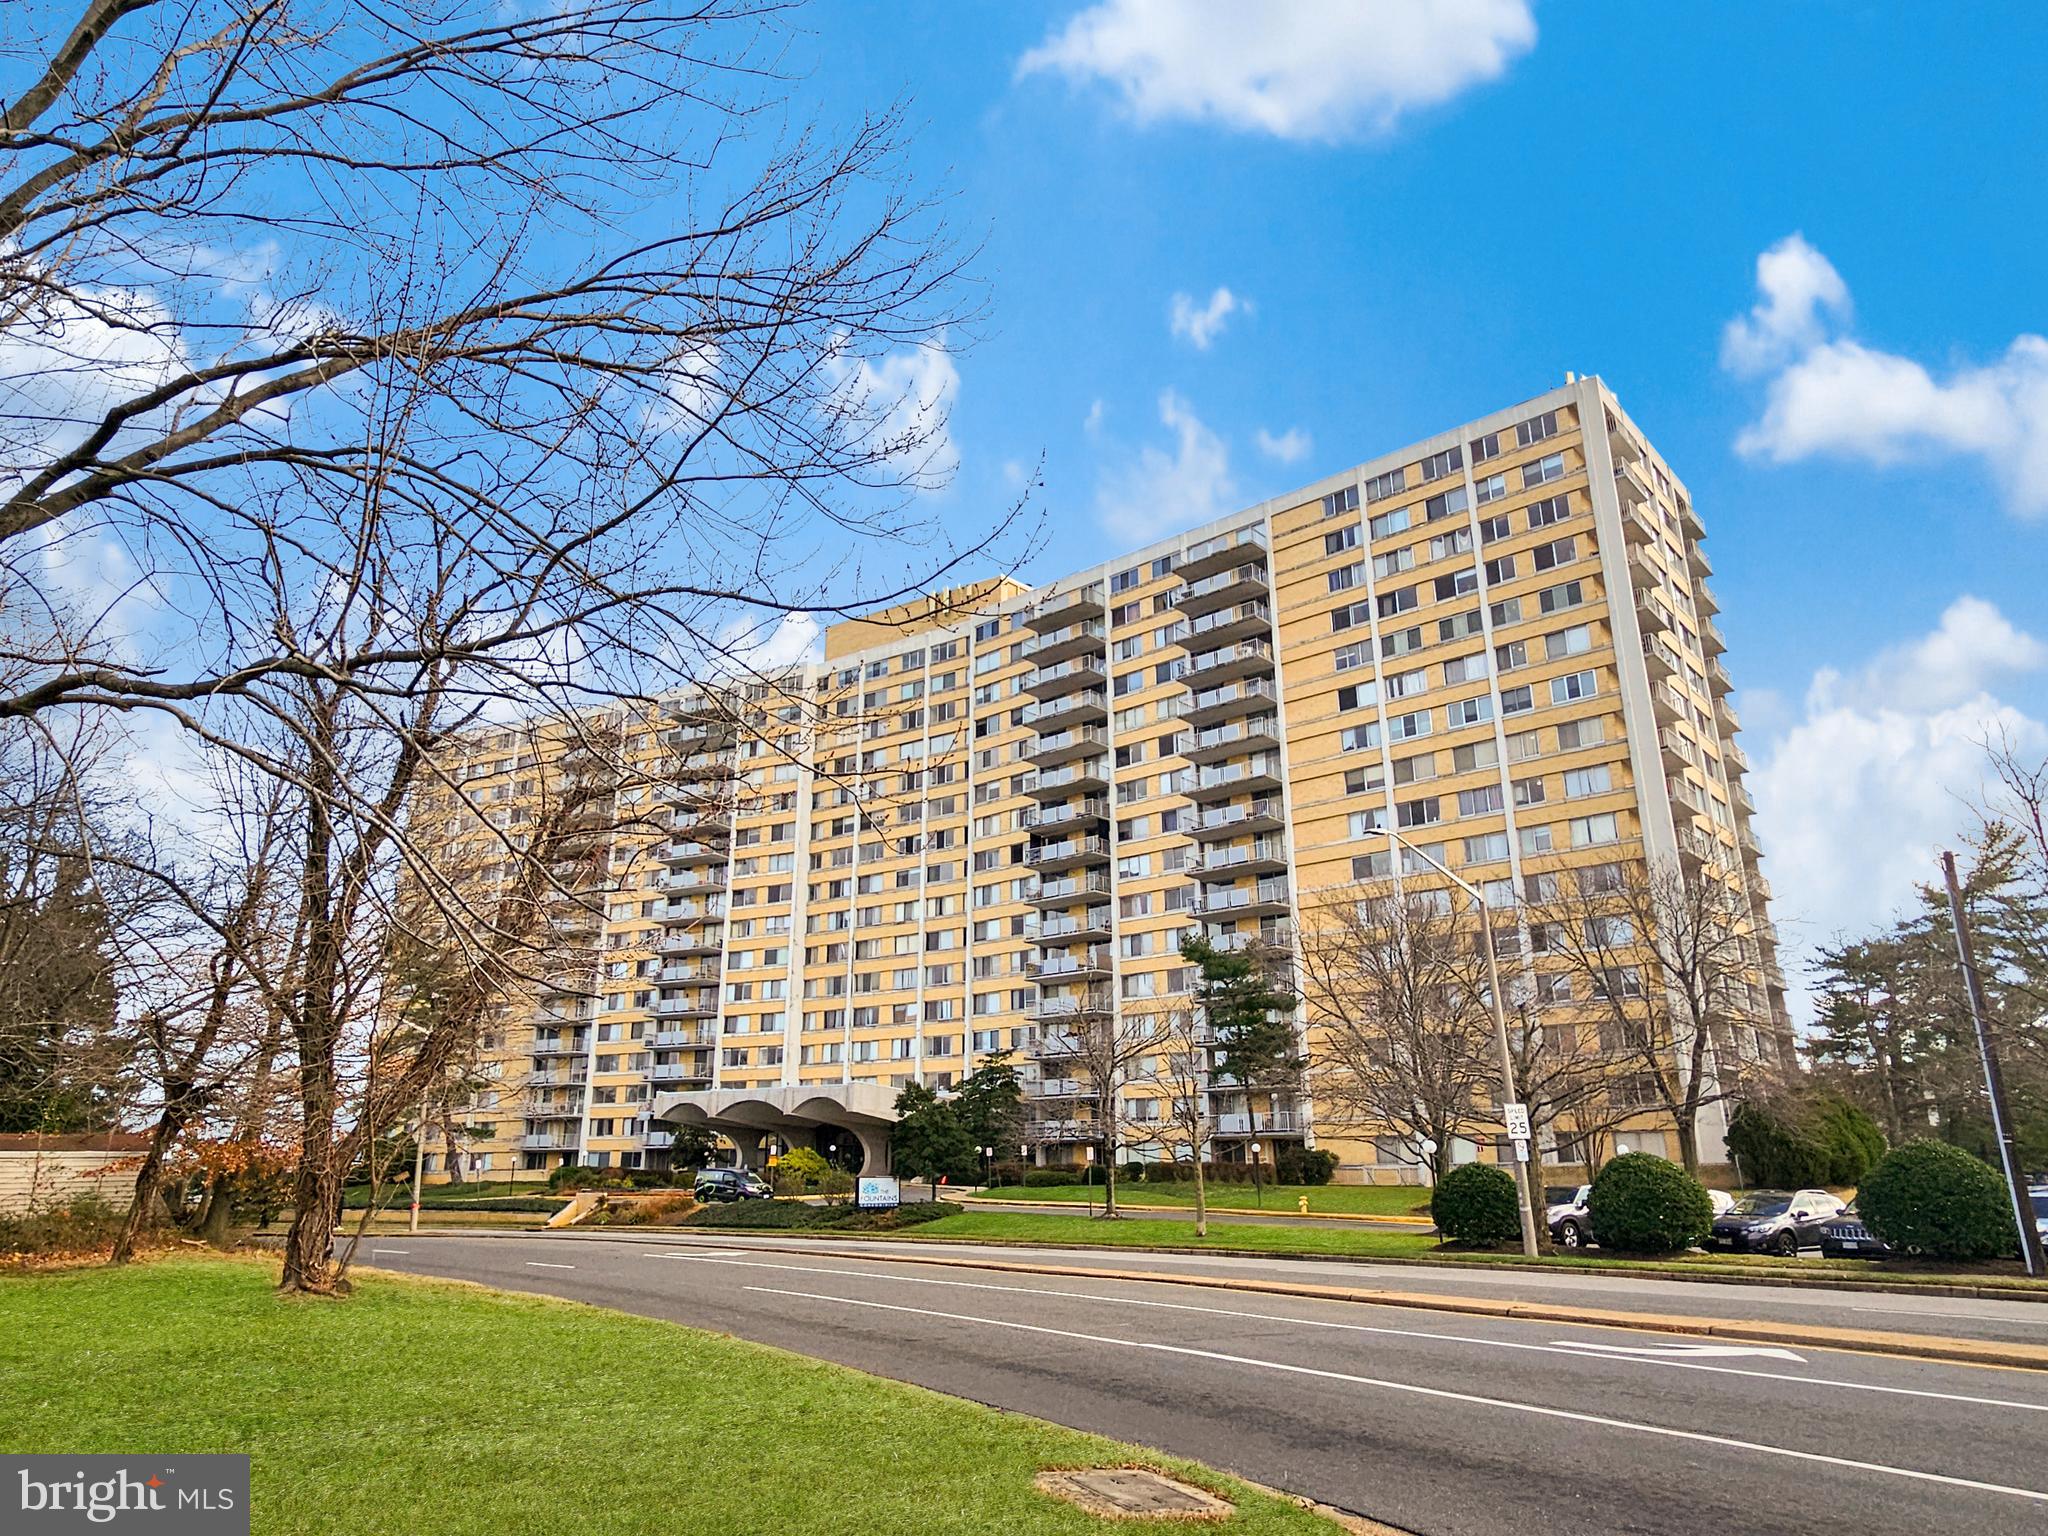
(1687, 1120)
(217, 1225)
(148, 1180)
(316, 1191)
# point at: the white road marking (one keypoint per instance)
(1537, 1409)
(1979, 1317)
(1705, 1351)
(538, 1264)
(375, 1251)
(705, 1253)
(1582, 1350)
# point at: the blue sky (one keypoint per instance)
(1426, 212)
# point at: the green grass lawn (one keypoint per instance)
(1323, 1199)
(424, 1407)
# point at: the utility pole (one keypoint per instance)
(1994, 1079)
(1525, 1178)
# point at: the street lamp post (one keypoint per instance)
(1258, 1191)
(1523, 1179)
(1088, 1180)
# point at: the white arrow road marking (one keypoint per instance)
(1683, 1351)
(540, 1264)
(1539, 1410)
(1665, 1363)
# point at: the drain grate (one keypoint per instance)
(1132, 1493)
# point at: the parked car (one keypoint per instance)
(728, 1184)
(1847, 1238)
(1773, 1221)
(2038, 1196)
(1569, 1224)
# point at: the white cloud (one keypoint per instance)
(1829, 395)
(1294, 69)
(1855, 797)
(1201, 325)
(1289, 447)
(775, 641)
(901, 405)
(1158, 491)
(1097, 413)
(1797, 285)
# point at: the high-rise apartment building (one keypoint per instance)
(985, 820)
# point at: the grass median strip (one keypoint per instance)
(433, 1407)
(1384, 1200)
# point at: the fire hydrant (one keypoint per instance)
(1303, 1204)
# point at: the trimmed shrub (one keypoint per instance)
(799, 1171)
(1817, 1138)
(1048, 1178)
(1305, 1165)
(1643, 1204)
(1932, 1200)
(1008, 1175)
(1475, 1205)
(793, 1215)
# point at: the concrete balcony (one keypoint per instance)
(1631, 486)
(1222, 780)
(1246, 658)
(689, 854)
(1064, 746)
(1091, 927)
(709, 882)
(684, 1039)
(1725, 716)
(1240, 622)
(1216, 742)
(1260, 856)
(1091, 811)
(1704, 600)
(1265, 898)
(1084, 706)
(1678, 752)
(1689, 520)
(1662, 665)
(1622, 445)
(1073, 606)
(1225, 549)
(1246, 583)
(1068, 853)
(1668, 705)
(1712, 641)
(704, 973)
(1718, 680)
(1651, 613)
(1734, 759)
(1220, 822)
(1070, 890)
(1229, 701)
(552, 1109)
(1066, 677)
(702, 1006)
(1085, 638)
(1094, 1003)
(1091, 964)
(694, 941)
(550, 1141)
(1090, 776)
(679, 1072)
(549, 1049)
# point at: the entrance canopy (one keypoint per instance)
(795, 1114)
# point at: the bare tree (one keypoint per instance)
(1396, 985)
(1095, 1050)
(430, 365)
(1661, 959)
(1174, 1067)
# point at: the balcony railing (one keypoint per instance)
(1071, 888)
(1048, 817)
(1261, 850)
(1067, 849)
(1266, 893)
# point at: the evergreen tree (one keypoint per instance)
(1250, 1017)
(929, 1141)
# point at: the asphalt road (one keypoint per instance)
(1429, 1422)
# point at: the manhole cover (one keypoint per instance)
(1130, 1493)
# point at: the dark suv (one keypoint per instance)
(1773, 1221)
(727, 1184)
